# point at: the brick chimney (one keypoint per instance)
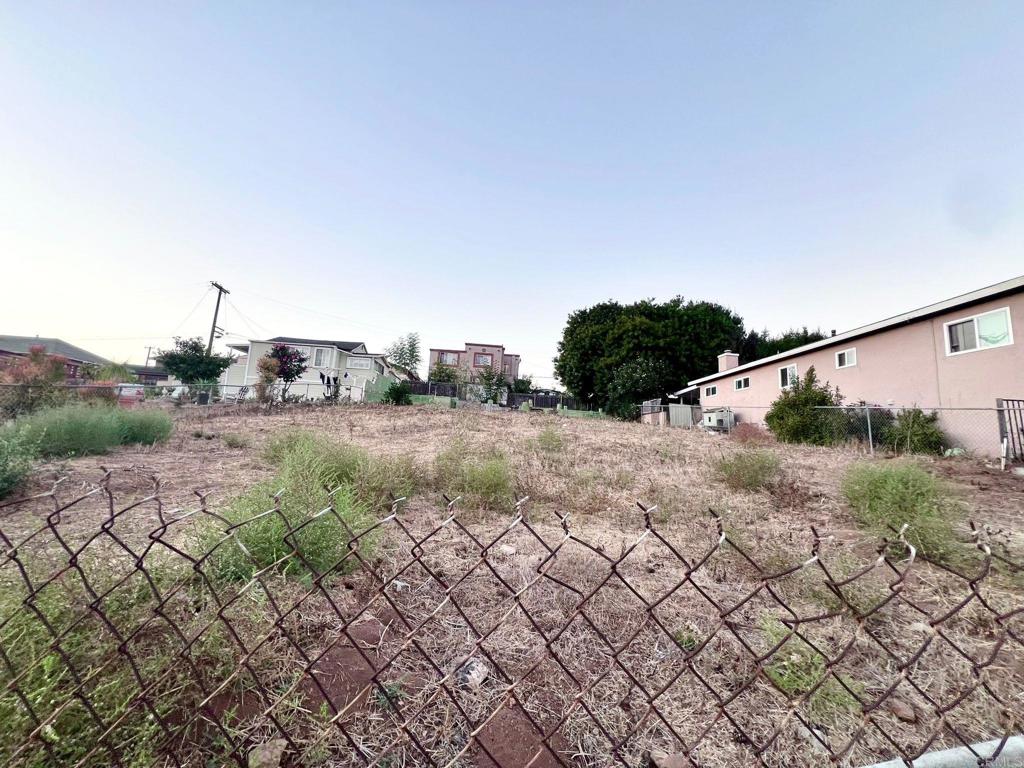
(728, 360)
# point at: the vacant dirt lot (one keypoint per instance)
(600, 631)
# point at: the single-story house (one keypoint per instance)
(348, 361)
(962, 352)
(152, 374)
(75, 358)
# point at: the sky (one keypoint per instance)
(477, 171)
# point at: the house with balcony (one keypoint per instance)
(964, 352)
(346, 362)
(473, 359)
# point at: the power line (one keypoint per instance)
(191, 312)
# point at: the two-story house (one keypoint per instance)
(348, 361)
(475, 358)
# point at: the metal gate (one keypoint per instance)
(1011, 427)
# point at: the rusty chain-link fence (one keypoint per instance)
(135, 633)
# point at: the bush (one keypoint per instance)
(234, 440)
(17, 450)
(913, 431)
(144, 427)
(398, 393)
(748, 470)
(79, 430)
(885, 497)
(797, 415)
(482, 479)
(749, 434)
(333, 464)
(38, 379)
(550, 440)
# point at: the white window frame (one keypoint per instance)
(449, 358)
(847, 352)
(789, 379)
(974, 319)
(736, 384)
(488, 355)
(324, 352)
(711, 390)
(364, 363)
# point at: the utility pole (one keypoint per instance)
(221, 290)
(149, 351)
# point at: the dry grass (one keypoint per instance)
(595, 472)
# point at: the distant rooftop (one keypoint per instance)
(344, 346)
(20, 345)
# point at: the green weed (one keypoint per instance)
(748, 470)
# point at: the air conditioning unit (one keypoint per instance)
(720, 418)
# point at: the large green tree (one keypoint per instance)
(758, 344)
(189, 362)
(683, 337)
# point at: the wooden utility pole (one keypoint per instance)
(221, 290)
(149, 351)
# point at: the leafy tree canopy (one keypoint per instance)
(291, 364)
(523, 385)
(445, 373)
(684, 337)
(189, 363)
(406, 352)
(758, 344)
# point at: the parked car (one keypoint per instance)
(129, 395)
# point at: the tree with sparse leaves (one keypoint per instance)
(493, 383)
(405, 352)
(291, 364)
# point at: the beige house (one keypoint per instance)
(349, 361)
(964, 352)
(474, 358)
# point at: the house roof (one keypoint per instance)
(344, 346)
(155, 370)
(1013, 285)
(20, 345)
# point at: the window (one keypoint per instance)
(378, 367)
(984, 331)
(304, 351)
(847, 358)
(358, 362)
(319, 357)
(710, 391)
(787, 375)
(481, 360)
(449, 358)
(742, 383)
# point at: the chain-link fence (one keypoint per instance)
(133, 633)
(991, 432)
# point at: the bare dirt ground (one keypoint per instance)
(644, 633)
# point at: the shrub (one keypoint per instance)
(38, 379)
(885, 497)
(17, 450)
(145, 427)
(276, 540)
(98, 393)
(267, 368)
(550, 440)
(482, 479)
(79, 430)
(332, 464)
(797, 415)
(913, 431)
(235, 440)
(750, 434)
(398, 393)
(748, 470)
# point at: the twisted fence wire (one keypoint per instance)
(448, 642)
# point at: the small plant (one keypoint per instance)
(267, 368)
(799, 414)
(398, 393)
(235, 441)
(885, 497)
(686, 640)
(914, 431)
(388, 695)
(483, 477)
(144, 427)
(17, 451)
(550, 440)
(796, 668)
(748, 470)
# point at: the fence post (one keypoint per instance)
(871, 442)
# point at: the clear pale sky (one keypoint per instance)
(476, 171)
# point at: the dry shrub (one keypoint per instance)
(750, 434)
(748, 470)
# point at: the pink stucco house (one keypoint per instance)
(964, 352)
(474, 358)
